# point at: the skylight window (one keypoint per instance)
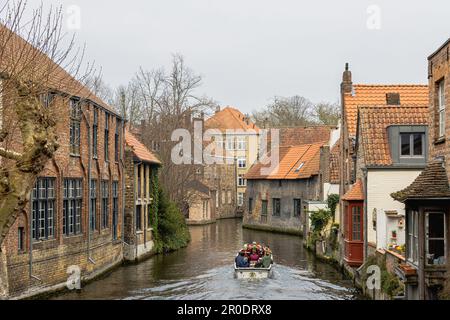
(299, 167)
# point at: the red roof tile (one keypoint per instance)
(295, 162)
(373, 129)
(139, 150)
(356, 192)
(368, 95)
(230, 118)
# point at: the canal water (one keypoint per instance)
(204, 270)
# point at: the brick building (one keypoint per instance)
(141, 171)
(354, 96)
(427, 198)
(390, 152)
(237, 137)
(74, 219)
(275, 200)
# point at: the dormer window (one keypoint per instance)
(441, 108)
(412, 144)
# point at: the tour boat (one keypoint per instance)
(252, 272)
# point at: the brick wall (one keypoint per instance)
(51, 258)
(439, 69)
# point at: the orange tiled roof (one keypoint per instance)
(19, 56)
(139, 150)
(356, 192)
(334, 163)
(373, 129)
(368, 95)
(230, 118)
(290, 159)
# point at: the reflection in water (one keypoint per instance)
(204, 270)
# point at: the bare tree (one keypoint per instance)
(98, 87)
(31, 65)
(296, 111)
(327, 113)
(286, 112)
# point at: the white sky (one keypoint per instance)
(251, 50)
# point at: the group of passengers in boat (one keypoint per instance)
(254, 255)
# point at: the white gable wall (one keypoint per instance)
(380, 184)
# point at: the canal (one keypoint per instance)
(204, 270)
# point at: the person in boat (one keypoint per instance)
(241, 260)
(254, 257)
(265, 261)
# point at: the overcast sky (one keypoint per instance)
(248, 51)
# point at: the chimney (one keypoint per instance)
(217, 109)
(393, 99)
(347, 84)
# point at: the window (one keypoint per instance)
(217, 198)
(230, 143)
(412, 244)
(241, 181)
(115, 204)
(106, 141)
(93, 206)
(220, 144)
(435, 238)
(116, 141)
(205, 209)
(356, 223)
(21, 239)
(263, 211)
(412, 144)
(441, 108)
(276, 210)
(241, 143)
(240, 199)
(105, 204)
(139, 180)
(297, 207)
(242, 163)
(95, 134)
(223, 196)
(229, 197)
(72, 206)
(138, 217)
(75, 121)
(250, 205)
(47, 99)
(301, 164)
(43, 209)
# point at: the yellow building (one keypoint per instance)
(237, 137)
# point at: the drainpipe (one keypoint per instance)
(30, 253)
(89, 189)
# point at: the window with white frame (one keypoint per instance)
(72, 206)
(241, 143)
(240, 199)
(242, 163)
(220, 144)
(43, 207)
(229, 197)
(412, 241)
(230, 143)
(441, 106)
(435, 238)
(241, 181)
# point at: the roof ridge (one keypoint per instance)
(391, 85)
